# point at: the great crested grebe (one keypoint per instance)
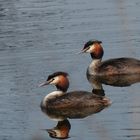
(114, 66)
(75, 99)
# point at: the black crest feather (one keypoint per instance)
(57, 74)
(91, 42)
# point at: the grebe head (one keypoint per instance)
(94, 48)
(59, 79)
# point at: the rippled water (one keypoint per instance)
(38, 37)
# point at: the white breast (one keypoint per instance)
(51, 95)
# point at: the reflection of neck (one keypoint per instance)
(61, 131)
(99, 92)
(97, 85)
(98, 88)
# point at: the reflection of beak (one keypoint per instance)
(52, 133)
(45, 83)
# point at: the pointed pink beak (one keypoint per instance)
(44, 83)
(83, 50)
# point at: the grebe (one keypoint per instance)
(116, 66)
(75, 99)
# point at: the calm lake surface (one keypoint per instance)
(39, 37)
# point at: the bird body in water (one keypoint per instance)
(75, 99)
(115, 66)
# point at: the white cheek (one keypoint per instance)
(55, 81)
(91, 48)
(58, 133)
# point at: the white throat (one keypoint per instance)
(50, 96)
(93, 66)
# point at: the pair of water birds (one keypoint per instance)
(76, 99)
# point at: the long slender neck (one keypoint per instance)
(95, 62)
(62, 88)
(93, 67)
(63, 84)
(98, 52)
(96, 56)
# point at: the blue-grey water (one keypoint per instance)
(38, 37)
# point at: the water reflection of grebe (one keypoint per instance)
(75, 99)
(116, 80)
(61, 131)
(114, 66)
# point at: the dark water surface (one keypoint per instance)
(38, 37)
